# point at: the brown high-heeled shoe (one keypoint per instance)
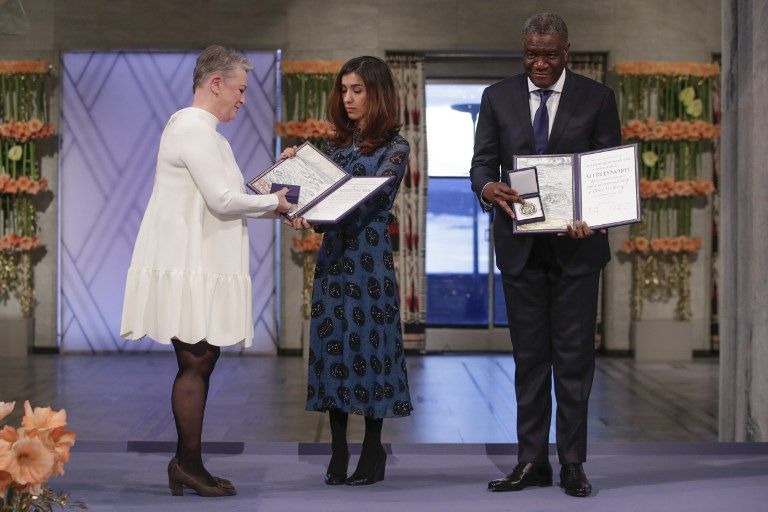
(178, 478)
(221, 482)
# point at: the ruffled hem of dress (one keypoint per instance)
(188, 305)
(390, 411)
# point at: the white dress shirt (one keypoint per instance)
(534, 100)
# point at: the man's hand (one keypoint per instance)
(289, 152)
(579, 229)
(283, 206)
(501, 194)
(298, 223)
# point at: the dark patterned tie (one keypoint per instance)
(541, 123)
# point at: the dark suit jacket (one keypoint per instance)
(586, 119)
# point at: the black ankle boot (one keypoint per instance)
(373, 471)
(335, 475)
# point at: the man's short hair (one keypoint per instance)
(545, 23)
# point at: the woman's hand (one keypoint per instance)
(283, 206)
(289, 152)
(298, 223)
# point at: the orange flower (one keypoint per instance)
(628, 246)
(4, 179)
(703, 187)
(682, 188)
(24, 182)
(646, 190)
(641, 244)
(658, 245)
(34, 124)
(32, 461)
(26, 243)
(13, 239)
(43, 418)
(675, 244)
(6, 408)
(33, 188)
(62, 441)
(43, 183)
(5, 481)
(8, 436)
(11, 186)
(660, 189)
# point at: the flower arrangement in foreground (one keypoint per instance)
(31, 455)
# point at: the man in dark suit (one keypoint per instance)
(550, 281)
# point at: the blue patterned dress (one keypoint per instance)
(356, 359)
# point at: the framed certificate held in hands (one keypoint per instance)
(321, 191)
(601, 188)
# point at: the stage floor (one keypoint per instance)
(647, 477)
(457, 398)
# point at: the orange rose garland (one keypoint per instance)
(669, 130)
(22, 185)
(696, 69)
(309, 129)
(30, 67)
(311, 67)
(663, 245)
(667, 187)
(22, 131)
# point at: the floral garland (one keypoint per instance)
(657, 68)
(21, 131)
(23, 122)
(309, 129)
(651, 130)
(311, 67)
(664, 245)
(667, 109)
(668, 187)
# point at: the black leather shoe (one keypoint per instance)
(525, 474)
(574, 481)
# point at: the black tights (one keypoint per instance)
(190, 391)
(371, 450)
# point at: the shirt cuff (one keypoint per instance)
(483, 203)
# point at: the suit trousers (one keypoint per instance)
(552, 319)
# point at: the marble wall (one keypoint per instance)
(743, 242)
(339, 29)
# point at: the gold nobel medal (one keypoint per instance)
(528, 208)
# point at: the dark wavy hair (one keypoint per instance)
(382, 120)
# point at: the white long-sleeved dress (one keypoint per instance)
(189, 277)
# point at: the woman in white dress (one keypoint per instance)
(188, 283)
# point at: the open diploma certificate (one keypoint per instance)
(601, 188)
(326, 192)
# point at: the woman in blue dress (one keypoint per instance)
(356, 359)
